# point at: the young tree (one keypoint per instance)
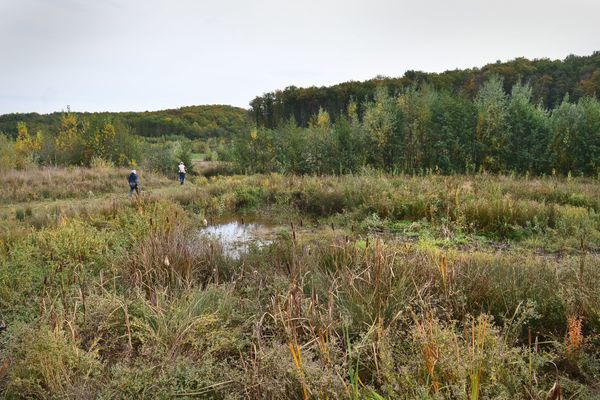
(69, 141)
(292, 148)
(492, 124)
(255, 151)
(349, 142)
(590, 108)
(8, 156)
(104, 140)
(418, 135)
(26, 146)
(383, 121)
(453, 122)
(529, 138)
(566, 140)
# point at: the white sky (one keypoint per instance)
(118, 55)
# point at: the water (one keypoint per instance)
(237, 238)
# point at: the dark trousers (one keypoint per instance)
(133, 187)
(181, 178)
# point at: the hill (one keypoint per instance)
(192, 122)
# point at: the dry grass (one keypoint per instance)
(68, 183)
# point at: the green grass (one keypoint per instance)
(385, 287)
(198, 156)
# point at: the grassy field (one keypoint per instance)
(376, 287)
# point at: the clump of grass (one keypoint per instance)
(20, 214)
(476, 349)
(49, 361)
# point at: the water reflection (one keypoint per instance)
(236, 238)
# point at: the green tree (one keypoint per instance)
(527, 147)
(452, 141)
(566, 140)
(8, 158)
(183, 154)
(590, 127)
(492, 124)
(349, 142)
(255, 151)
(576, 136)
(383, 121)
(415, 106)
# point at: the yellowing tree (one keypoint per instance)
(25, 146)
(323, 120)
(68, 134)
(69, 141)
(103, 141)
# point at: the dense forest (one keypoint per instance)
(422, 128)
(192, 122)
(550, 81)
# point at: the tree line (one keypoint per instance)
(76, 141)
(193, 122)
(550, 81)
(93, 141)
(423, 128)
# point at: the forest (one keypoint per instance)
(192, 122)
(421, 128)
(550, 81)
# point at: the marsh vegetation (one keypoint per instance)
(371, 286)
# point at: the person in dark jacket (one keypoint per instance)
(133, 182)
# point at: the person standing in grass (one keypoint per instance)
(181, 173)
(133, 182)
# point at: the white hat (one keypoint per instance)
(133, 171)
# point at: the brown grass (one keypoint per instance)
(66, 183)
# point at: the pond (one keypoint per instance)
(237, 236)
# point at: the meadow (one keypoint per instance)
(376, 286)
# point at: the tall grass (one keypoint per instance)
(66, 183)
(128, 301)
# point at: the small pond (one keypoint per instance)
(237, 236)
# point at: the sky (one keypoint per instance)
(137, 55)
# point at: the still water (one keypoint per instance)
(237, 238)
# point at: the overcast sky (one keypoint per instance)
(118, 55)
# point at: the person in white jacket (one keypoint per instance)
(181, 173)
